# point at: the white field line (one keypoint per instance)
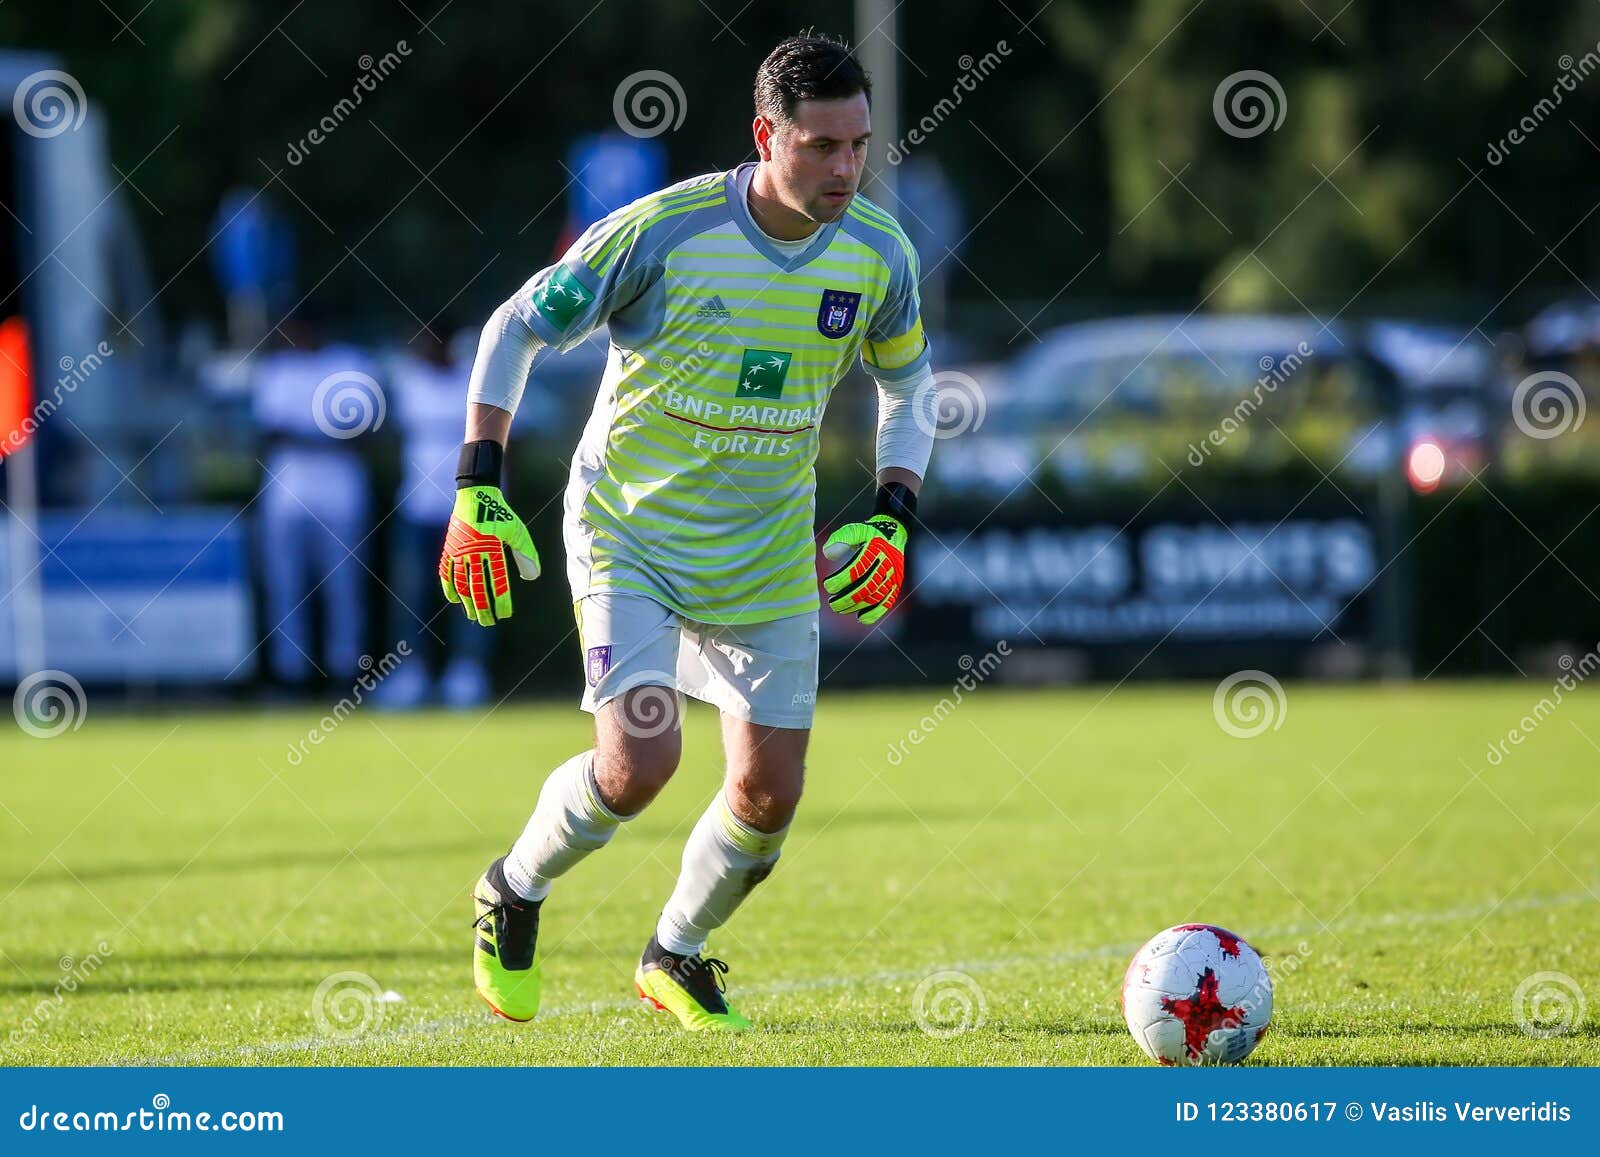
(452, 1025)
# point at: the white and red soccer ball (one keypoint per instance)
(1197, 994)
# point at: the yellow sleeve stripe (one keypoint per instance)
(870, 214)
(895, 352)
(603, 260)
(651, 205)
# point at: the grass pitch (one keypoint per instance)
(204, 886)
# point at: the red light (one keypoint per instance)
(1425, 466)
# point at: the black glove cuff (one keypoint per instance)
(898, 502)
(480, 464)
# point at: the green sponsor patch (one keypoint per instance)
(762, 372)
(562, 298)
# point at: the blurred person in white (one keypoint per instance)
(426, 385)
(312, 400)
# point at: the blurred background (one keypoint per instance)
(1266, 331)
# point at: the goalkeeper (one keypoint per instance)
(735, 301)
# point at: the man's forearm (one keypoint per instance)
(907, 478)
(487, 423)
(905, 438)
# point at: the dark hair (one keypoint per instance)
(810, 66)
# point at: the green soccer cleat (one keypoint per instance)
(689, 987)
(505, 964)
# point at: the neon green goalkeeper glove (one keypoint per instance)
(472, 568)
(873, 552)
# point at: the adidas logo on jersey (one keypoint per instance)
(713, 309)
(491, 511)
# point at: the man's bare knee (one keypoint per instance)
(766, 772)
(638, 744)
(766, 797)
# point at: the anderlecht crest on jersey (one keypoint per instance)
(836, 316)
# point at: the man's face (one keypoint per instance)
(817, 158)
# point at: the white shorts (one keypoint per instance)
(760, 672)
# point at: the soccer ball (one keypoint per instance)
(1197, 994)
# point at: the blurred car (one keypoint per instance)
(1126, 400)
(1447, 376)
(1543, 413)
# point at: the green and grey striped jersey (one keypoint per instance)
(693, 482)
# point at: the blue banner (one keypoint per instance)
(122, 593)
(806, 1110)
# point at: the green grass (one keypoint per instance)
(1032, 842)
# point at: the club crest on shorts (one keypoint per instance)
(597, 661)
(836, 316)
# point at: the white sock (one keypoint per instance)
(723, 861)
(569, 822)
